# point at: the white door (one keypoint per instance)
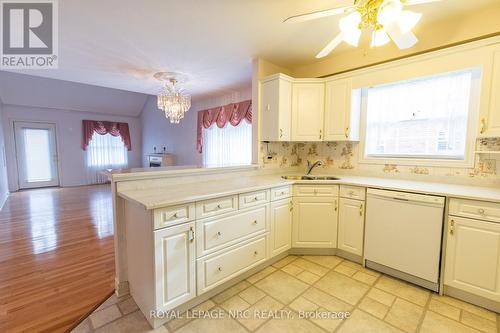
(175, 266)
(314, 222)
(473, 257)
(337, 110)
(281, 226)
(36, 152)
(308, 105)
(351, 226)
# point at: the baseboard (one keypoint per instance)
(471, 298)
(350, 256)
(312, 252)
(121, 288)
(3, 199)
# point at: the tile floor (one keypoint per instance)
(277, 298)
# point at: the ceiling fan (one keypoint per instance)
(386, 19)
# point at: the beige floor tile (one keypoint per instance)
(326, 301)
(444, 309)
(466, 306)
(178, 322)
(113, 299)
(381, 296)
(327, 261)
(478, 322)
(374, 307)
(235, 304)
(262, 274)
(327, 323)
(405, 315)
(100, 318)
(404, 290)
(303, 304)
(285, 261)
(205, 306)
(308, 277)
(282, 286)
(352, 264)
(361, 322)
(83, 327)
(255, 311)
(133, 322)
(294, 325)
(127, 306)
(311, 267)
(435, 323)
(345, 269)
(252, 295)
(292, 269)
(224, 324)
(228, 293)
(343, 287)
(365, 277)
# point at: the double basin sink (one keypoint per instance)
(310, 177)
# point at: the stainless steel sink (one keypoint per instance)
(310, 177)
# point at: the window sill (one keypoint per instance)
(446, 163)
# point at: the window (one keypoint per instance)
(425, 118)
(105, 152)
(230, 145)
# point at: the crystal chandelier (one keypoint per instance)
(172, 99)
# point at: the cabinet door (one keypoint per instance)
(342, 111)
(314, 222)
(490, 123)
(175, 266)
(351, 225)
(276, 109)
(308, 104)
(472, 257)
(281, 226)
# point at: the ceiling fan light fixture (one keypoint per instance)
(379, 38)
(389, 11)
(349, 26)
(408, 20)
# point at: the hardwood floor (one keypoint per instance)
(56, 257)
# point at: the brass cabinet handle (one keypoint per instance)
(191, 234)
(452, 227)
(320, 134)
(281, 133)
(219, 269)
(336, 205)
(361, 210)
(483, 125)
(347, 133)
(219, 233)
(268, 107)
(255, 222)
(291, 205)
(256, 253)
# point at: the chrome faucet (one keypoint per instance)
(310, 166)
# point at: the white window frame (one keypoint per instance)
(472, 132)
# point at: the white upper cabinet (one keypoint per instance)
(308, 105)
(342, 111)
(276, 108)
(489, 125)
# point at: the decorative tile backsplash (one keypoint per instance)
(341, 158)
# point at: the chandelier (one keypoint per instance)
(172, 100)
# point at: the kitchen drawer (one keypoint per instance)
(279, 193)
(222, 266)
(352, 192)
(165, 217)
(216, 206)
(316, 190)
(251, 199)
(480, 210)
(217, 232)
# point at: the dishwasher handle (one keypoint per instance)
(407, 197)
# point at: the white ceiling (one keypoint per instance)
(122, 43)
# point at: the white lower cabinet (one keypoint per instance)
(175, 265)
(473, 257)
(351, 226)
(315, 222)
(281, 226)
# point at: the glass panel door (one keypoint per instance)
(36, 154)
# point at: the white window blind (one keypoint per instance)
(426, 118)
(230, 145)
(105, 152)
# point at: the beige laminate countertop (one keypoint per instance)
(190, 192)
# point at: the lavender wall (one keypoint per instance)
(4, 190)
(180, 139)
(69, 136)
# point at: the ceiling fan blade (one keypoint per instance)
(403, 41)
(418, 2)
(330, 46)
(317, 15)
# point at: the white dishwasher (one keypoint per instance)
(403, 233)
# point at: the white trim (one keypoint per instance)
(472, 133)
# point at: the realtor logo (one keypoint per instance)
(29, 34)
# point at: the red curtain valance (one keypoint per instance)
(105, 127)
(232, 113)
